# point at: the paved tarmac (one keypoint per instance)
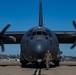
(14, 68)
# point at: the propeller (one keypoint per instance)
(74, 24)
(3, 37)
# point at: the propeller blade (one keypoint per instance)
(73, 45)
(74, 23)
(2, 45)
(4, 38)
(4, 29)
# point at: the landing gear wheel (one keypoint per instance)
(23, 63)
(56, 63)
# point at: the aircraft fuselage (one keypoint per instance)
(36, 42)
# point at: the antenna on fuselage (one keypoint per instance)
(40, 14)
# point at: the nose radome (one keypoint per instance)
(39, 47)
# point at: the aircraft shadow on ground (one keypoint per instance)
(71, 65)
(34, 66)
(4, 65)
(37, 66)
(68, 64)
(28, 65)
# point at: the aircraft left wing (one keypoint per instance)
(66, 36)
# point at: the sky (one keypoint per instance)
(24, 14)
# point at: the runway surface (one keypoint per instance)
(14, 68)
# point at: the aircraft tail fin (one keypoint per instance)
(40, 14)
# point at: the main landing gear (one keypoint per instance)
(23, 63)
(56, 62)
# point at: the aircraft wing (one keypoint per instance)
(63, 36)
(17, 34)
(66, 36)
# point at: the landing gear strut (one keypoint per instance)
(23, 63)
(56, 62)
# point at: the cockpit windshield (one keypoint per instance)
(33, 33)
(39, 33)
(45, 32)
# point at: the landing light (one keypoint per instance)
(39, 60)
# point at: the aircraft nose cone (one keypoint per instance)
(39, 47)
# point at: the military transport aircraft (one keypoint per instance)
(36, 41)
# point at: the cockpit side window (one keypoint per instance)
(29, 33)
(34, 33)
(44, 33)
(49, 33)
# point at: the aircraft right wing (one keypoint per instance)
(17, 34)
